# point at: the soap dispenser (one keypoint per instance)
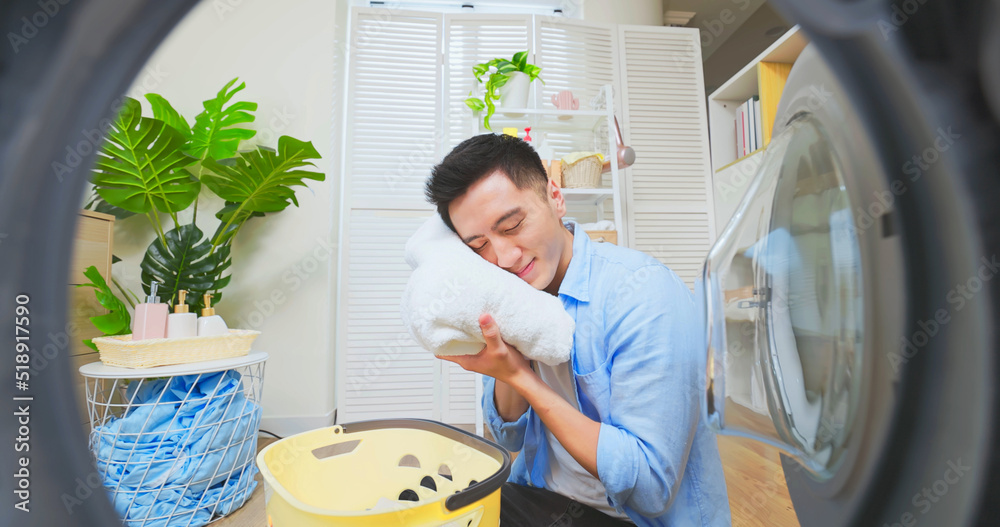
(209, 323)
(150, 317)
(182, 323)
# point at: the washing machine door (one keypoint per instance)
(851, 309)
(849, 302)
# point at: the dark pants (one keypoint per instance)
(522, 506)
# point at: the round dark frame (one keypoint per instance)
(80, 56)
(67, 75)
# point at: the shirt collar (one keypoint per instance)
(576, 281)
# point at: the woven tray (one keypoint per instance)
(121, 350)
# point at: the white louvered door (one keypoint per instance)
(669, 187)
(391, 141)
(384, 373)
(394, 107)
(471, 40)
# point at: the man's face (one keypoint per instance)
(513, 228)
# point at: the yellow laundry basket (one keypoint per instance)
(400, 472)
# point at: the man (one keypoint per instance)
(613, 436)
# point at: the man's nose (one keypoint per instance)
(507, 253)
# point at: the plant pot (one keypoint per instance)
(514, 94)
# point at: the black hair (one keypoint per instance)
(478, 157)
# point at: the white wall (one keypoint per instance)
(284, 281)
(638, 12)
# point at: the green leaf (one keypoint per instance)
(166, 113)
(479, 70)
(213, 135)
(490, 108)
(520, 59)
(506, 67)
(497, 80)
(261, 180)
(141, 166)
(117, 320)
(98, 204)
(532, 72)
(231, 217)
(475, 103)
(185, 262)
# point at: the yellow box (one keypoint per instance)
(400, 472)
(604, 236)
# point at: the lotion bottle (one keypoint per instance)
(150, 317)
(182, 323)
(209, 323)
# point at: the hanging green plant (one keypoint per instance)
(156, 166)
(499, 72)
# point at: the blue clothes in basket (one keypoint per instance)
(183, 452)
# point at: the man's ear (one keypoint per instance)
(555, 195)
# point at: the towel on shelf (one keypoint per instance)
(451, 286)
(603, 225)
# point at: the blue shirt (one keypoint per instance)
(638, 365)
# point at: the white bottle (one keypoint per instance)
(209, 323)
(182, 323)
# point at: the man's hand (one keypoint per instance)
(497, 359)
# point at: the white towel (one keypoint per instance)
(451, 286)
(603, 225)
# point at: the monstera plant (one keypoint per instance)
(157, 167)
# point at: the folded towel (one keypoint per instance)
(183, 452)
(451, 286)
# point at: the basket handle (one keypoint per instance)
(336, 449)
(476, 492)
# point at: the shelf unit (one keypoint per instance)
(567, 131)
(764, 76)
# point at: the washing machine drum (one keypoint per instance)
(848, 309)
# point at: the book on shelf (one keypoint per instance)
(749, 127)
(759, 122)
(741, 128)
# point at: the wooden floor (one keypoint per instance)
(754, 479)
(758, 496)
(251, 514)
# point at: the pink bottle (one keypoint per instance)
(150, 317)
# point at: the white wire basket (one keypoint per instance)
(175, 445)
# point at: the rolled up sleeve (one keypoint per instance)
(652, 336)
(509, 435)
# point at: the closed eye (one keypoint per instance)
(514, 227)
